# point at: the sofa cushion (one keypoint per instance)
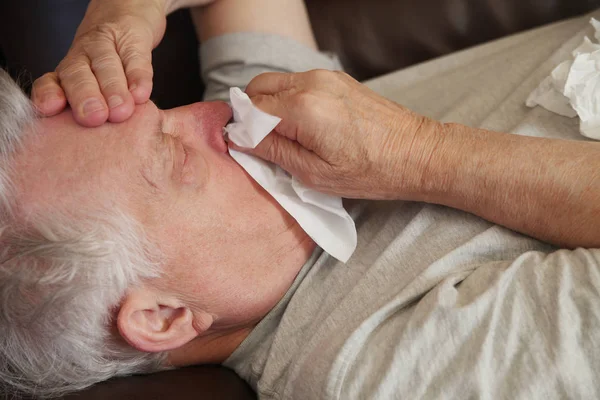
(375, 37)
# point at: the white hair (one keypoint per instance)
(61, 280)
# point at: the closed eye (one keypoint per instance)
(161, 158)
(185, 155)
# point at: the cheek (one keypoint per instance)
(225, 180)
(197, 225)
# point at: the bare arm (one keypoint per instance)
(546, 188)
(281, 17)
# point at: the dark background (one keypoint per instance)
(36, 34)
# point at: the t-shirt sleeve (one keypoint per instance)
(235, 59)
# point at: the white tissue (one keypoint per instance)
(573, 88)
(322, 216)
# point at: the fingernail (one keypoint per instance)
(115, 101)
(133, 87)
(91, 106)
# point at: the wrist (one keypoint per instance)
(461, 166)
(440, 162)
(416, 161)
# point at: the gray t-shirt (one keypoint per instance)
(435, 303)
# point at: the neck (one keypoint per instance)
(213, 348)
(291, 249)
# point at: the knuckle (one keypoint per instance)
(107, 30)
(137, 73)
(321, 75)
(132, 53)
(62, 66)
(80, 88)
(135, 43)
(304, 100)
(88, 43)
(105, 63)
(341, 74)
(308, 104)
(68, 69)
(109, 84)
(102, 38)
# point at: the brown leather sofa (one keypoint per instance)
(372, 37)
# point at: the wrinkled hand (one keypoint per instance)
(108, 67)
(339, 137)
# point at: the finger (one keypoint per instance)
(108, 69)
(286, 153)
(137, 61)
(289, 110)
(47, 95)
(82, 91)
(279, 108)
(270, 83)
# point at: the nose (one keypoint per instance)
(204, 121)
(201, 118)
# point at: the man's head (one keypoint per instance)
(124, 245)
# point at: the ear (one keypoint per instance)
(153, 325)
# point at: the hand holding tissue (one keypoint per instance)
(573, 87)
(322, 216)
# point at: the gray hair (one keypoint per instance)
(61, 280)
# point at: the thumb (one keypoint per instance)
(286, 153)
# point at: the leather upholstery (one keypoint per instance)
(204, 382)
(372, 37)
(375, 37)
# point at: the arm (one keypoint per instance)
(546, 188)
(340, 137)
(242, 39)
(281, 17)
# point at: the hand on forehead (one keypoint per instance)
(108, 68)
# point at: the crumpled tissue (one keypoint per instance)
(573, 87)
(322, 216)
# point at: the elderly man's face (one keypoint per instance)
(172, 172)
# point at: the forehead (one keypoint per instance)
(67, 165)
